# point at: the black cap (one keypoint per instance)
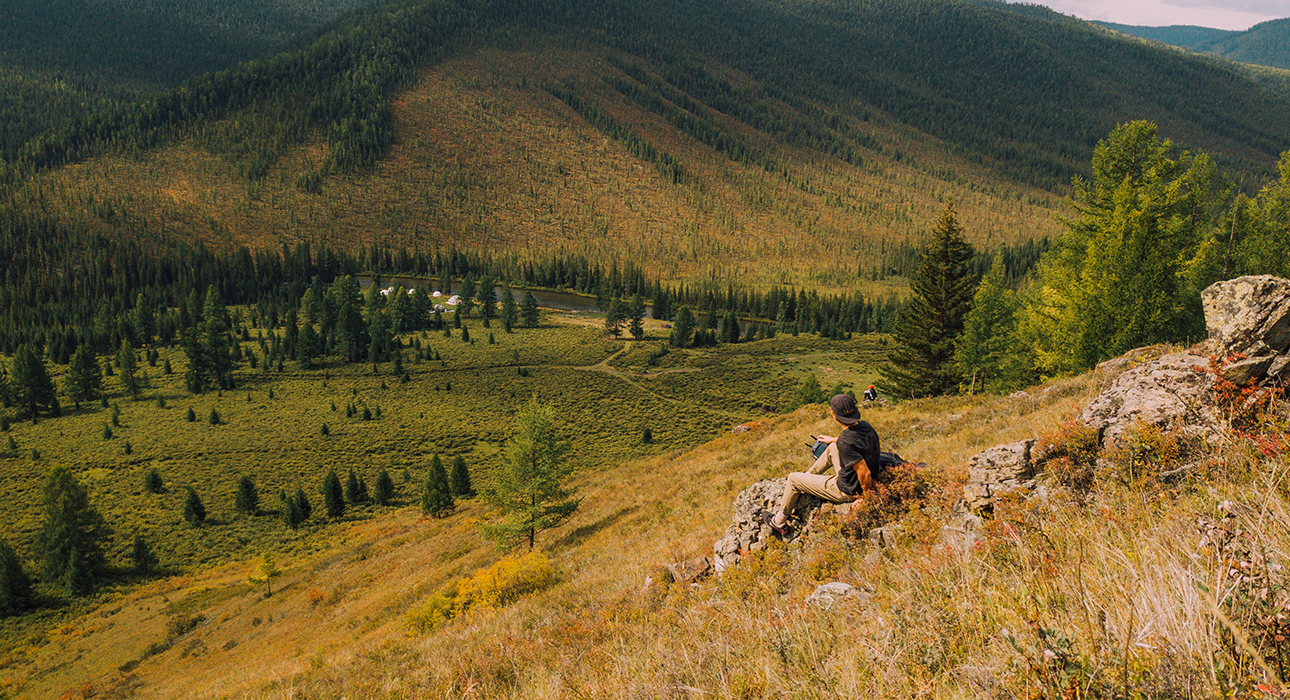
(844, 409)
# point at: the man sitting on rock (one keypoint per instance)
(854, 456)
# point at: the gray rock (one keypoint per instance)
(689, 570)
(1242, 371)
(1279, 366)
(1000, 468)
(739, 429)
(1175, 389)
(962, 531)
(1248, 315)
(830, 594)
(747, 531)
(884, 536)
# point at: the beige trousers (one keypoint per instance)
(815, 483)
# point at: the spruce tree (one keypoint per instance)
(530, 486)
(682, 328)
(15, 584)
(32, 388)
(636, 317)
(302, 500)
(614, 317)
(145, 562)
(70, 538)
(510, 311)
(436, 493)
(461, 486)
(292, 516)
(194, 509)
(333, 495)
(247, 500)
(529, 310)
(84, 380)
(922, 362)
(152, 481)
(383, 492)
(487, 296)
(128, 366)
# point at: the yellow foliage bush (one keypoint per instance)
(498, 585)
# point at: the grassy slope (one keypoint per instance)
(595, 630)
(485, 160)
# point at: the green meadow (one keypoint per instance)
(457, 398)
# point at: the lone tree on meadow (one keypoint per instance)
(460, 478)
(333, 495)
(922, 363)
(636, 317)
(194, 509)
(530, 488)
(436, 493)
(145, 562)
(70, 538)
(383, 493)
(247, 500)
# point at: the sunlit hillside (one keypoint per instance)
(486, 160)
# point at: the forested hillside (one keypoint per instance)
(1264, 44)
(60, 59)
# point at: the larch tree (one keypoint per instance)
(530, 487)
(529, 310)
(990, 355)
(922, 362)
(84, 380)
(436, 492)
(1126, 271)
(128, 369)
(33, 390)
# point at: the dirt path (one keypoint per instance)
(631, 377)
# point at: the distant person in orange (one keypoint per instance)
(853, 455)
(871, 394)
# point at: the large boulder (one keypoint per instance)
(1174, 390)
(1249, 316)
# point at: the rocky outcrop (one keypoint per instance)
(1000, 468)
(1248, 320)
(748, 532)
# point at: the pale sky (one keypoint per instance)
(1220, 14)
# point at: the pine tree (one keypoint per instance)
(306, 508)
(730, 327)
(682, 328)
(636, 317)
(247, 500)
(333, 495)
(529, 310)
(145, 562)
(922, 363)
(15, 584)
(351, 488)
(128, 366)
(436, 494)
(487, 296)
(69, 541)
(384, 490)
(84, 380)
(461, 486)
(191, 416)
(32, 388)
(194, 509)
(530, 487)
(291, 514)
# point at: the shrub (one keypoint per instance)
(1072, 454)
(901, 489)
(496, 586)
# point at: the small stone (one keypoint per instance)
(829, 594)
(690, 570)
(1242, 371)
(739, 429)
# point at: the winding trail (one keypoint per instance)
(630, 378)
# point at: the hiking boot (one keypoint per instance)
(769, 518)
